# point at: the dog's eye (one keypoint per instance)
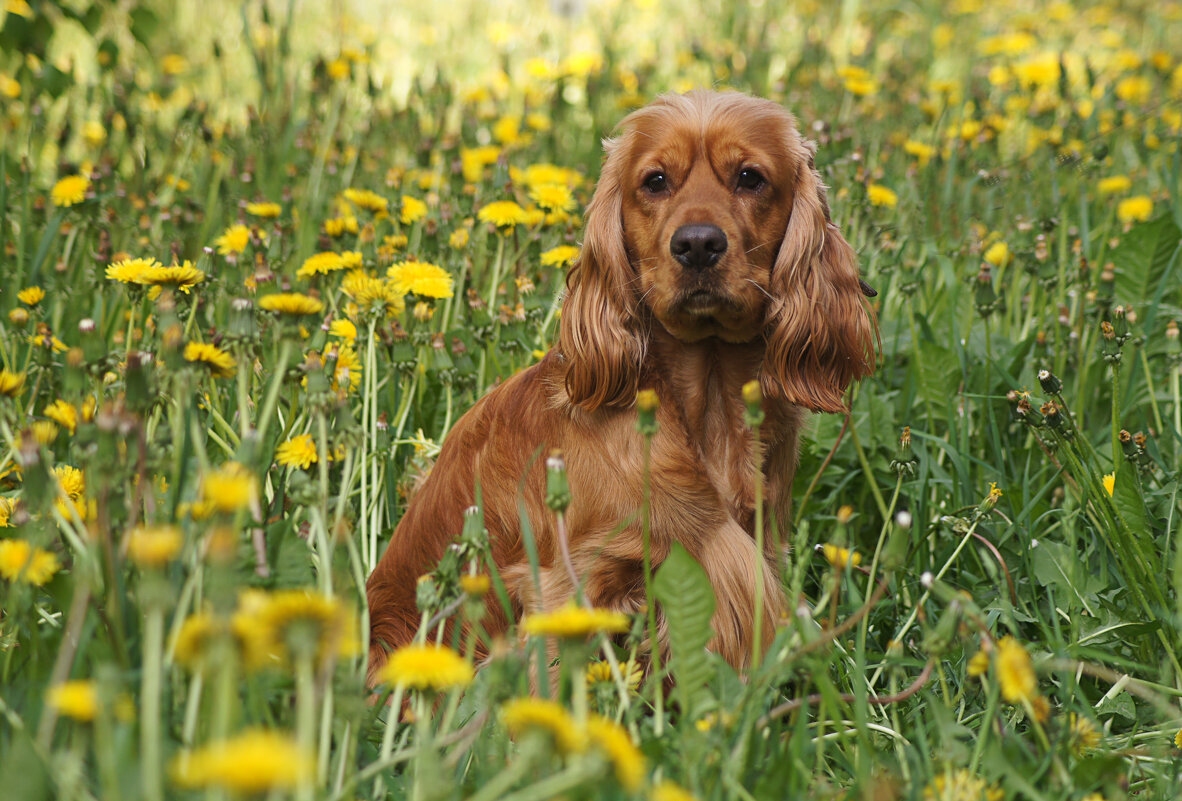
(655, 183)
(751, 179)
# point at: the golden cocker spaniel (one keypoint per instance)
(709, 260)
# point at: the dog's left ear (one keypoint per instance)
(820, 331)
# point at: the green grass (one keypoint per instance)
(988, 126)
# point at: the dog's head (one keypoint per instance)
(710, 220)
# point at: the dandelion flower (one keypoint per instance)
(71, 479)
(154, 546)
(1114, 185)
(344, 329)
(7, 507)
(998, 254)
(669, 791)
(1082, 734)
(321, 264)
(421, 278)
(1134, 209)
(960, 785)
(561, 256)
(267, 210)
(615, 741)
(979, 664)
(308, 622)
(337, 226)
(292, 303)
(1178, 739)
(552, 197)
(70, 191)
(840, 557)
(220, 363)
(502, 214)
(880, 195)
(427, 667)
(235, 239)
(1110, 482)
(1015, 672)
(131, 271)
(251, 763)
(536, 714)
(920, 151)
(63, 413)
(601, 673)
(574, 622)
(31, 296)
(179, 276)
(228, 488)
(11, 383)
(297, 452)
(75, 699)
(20, 560)
(365, 199)
(413, 210)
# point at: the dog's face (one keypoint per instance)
(705, 205)
(710, 220)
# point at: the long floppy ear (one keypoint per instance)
(601, 336)
(821, 333)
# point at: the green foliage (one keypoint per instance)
(687, 600)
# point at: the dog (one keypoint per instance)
(709, 261)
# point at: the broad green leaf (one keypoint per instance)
(683, 588)
(1142, 258)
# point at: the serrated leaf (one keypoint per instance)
(1142, 257)
(684, 591)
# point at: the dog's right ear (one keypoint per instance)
(600, 335)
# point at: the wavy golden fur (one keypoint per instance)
(709, 260)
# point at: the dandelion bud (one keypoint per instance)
(646, 407)
(1049, 382)
(753, 398)
(1139, 440)
(1172, 331)
(86, 326)
(1127, 446)
(844, 514)
(475, 586)
(19, 317)
(1050, 411)
(557, 486)
(905, 439)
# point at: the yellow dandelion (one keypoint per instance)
(347, 373)
(427, 667)
(235, 239)
(922, 152)
(413, 210)
(343, 329)
(338, 226)
(561, 256)
(1134, 209)
(220, 363)
(291, 303)
(475, 586)
(998, 254)
(31, 296)
(265, 209)
(615, 741)
(94, 133)
(308, 622)
(1082, 734)
(71, 479)
(574, 622)
(75, 699)
(880, 195)
(552, 197)
(669, 791)
(179, 276)
(63, 413)
(421, 278)
(131, 271)
(840, 557)
(960, 785)
(193, 639)
(1114, 185)
(1178, 739)
(297, 452)
(521, 715)
(70, 191)
(458, 239)
(11, 383)
(601, 673)
(7, 507)
(20, 560)
(173, 64)
(228, 488)
(979, 664)
(321, 264)
(251, 763)
(365, 199)
(1015, 672)
(154, 546)
(502, 214)
(1110, 483)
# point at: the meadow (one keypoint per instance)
(258, 258)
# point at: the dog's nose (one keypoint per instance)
(698, 245)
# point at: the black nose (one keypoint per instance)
(698, 245)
